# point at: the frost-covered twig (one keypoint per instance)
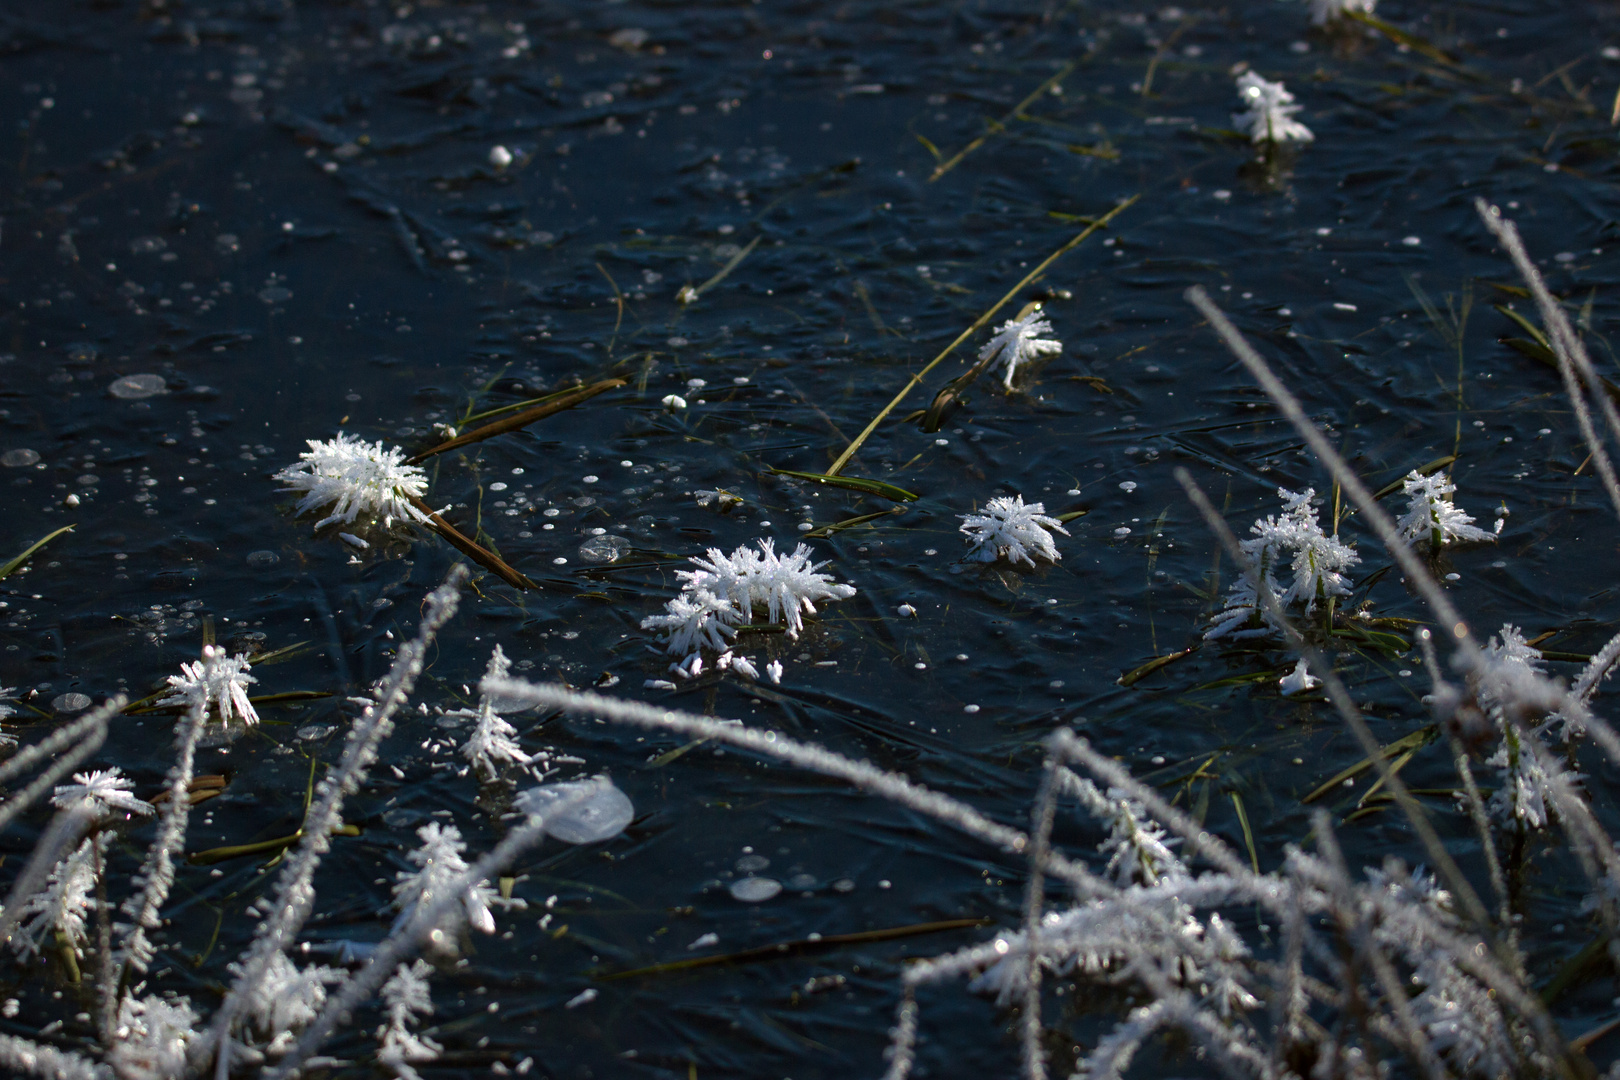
(295, 893)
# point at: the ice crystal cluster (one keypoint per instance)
(362, 479)
(440, 870)
(1009, 528)
(217, 684)
(1269, 117)
(723, 593)
(1292, 544)
(492, 744)
(1326, 11)
(1432, 515)
(1018, 341)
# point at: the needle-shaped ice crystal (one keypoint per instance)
(218, 682)
(439, 864)
(1018, 341)
(105, 789)
(1010, 527)
(361, 478)
(1270, 114)
(1431, 513)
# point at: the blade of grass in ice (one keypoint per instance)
(688, 293)
(850, 523)
(1137, 674)
(521, 420)
(998, 126)
(1248, 833)
(850, 450)
(854, 483)
(798, 948)
(7, 568)
(1400, 746)
(480, 555)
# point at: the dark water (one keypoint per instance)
(289, 213)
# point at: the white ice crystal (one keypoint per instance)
(1510, 681)
(151, 1037)
(360, 477)
(285, 1000)
(1136, 844)
(1009, 527)
(1431, 513)
(439, 863)
(1018, 341)
(106, 789)
(1295, 539)
(7, 693)
(62, 906)
(695, 619)
(1325, 11)
(406, 1000)
(1299, 680)
(493, 740)
(218, 682)
(1270, 116)
(723, 591)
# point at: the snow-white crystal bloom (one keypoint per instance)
(493, 741)
(285, 1000)
(1299, 680)
(723, 591)
(65, 902)
(1271, 109)
(1326, 11)
(360, 477)
(151, 1037)
(1295, 539)
(406, 1000)
(1137, 846)
(1018, 341)
(105, 789)
(1430, 512)
(439, 864)
(1010, 527)
(218, 682)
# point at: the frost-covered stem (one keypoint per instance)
(1288, 1006)
(1487, 843)
(106, 988)
(902, 1052)
(157, 871)
(295, 893)
(424, 927)
(19, 1057)
(891, 786)
(65, 831)
(1354, 926)
(1336, 691)
(92, 729)
(1411, 565)
(1223, 1043)
(1566, 346)
(1040, 835)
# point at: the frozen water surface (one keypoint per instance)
(231, 228)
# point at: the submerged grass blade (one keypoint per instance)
(998, 126)
(7, 568)
(854, 483)
(1407, 743)
(849, 451)
(521, 420)
(690, 293)
(850, 523)
(797, 947)
(470, 548)
(1137, 674)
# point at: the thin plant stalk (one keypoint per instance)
(1040, 832)
(295, 891)
(855, 445)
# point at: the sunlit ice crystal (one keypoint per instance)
(1270, 114)
(360, 478)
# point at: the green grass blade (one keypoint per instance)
(6, 570)
(854, 483)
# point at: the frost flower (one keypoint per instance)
(1326, 11)
(63, 904)
(406, 1000)
(1293, 539)
(216, 681)
(360, 477)
(439, 865)
(492, 741)
(1431, 513)
(285, 1000)
(106, 789)
(1270, 117)
(151, 1038)
(1010, 527)
(1018, 341)
(1299, 680)
(723, 591)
